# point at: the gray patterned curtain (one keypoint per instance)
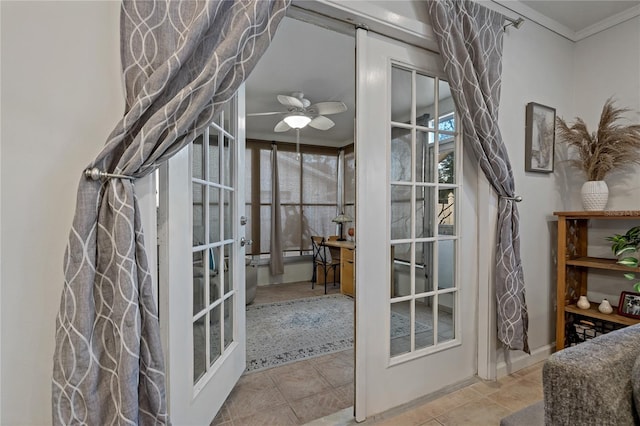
(470, 40)
(181, 61)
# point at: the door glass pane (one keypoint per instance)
(446, 162)
(199, 271)
(198, 214)
(424, 267)
(424, 211)
(446, 211)
(215, 345)
(400, 212)
(199, 348)
(424, 157)
(214, 274)
(248, 172)
(400, 270)
(400, 155)
(400, 95)
(446, 263)
(228, 268)
(446, 310)
(425, 99)
(227, 161)
(197, 170)
(214, 156)
(446, 121)
(424, 322)
(228, 322)
(228, 219)
(228, 118)
(400, 331)
(214, 215)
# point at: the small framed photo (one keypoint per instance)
(629, 305)
(540, 138)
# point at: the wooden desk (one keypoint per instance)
(347, 265)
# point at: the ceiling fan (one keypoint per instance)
(300, 113)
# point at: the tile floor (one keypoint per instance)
(307, 391)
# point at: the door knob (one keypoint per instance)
(245, 242)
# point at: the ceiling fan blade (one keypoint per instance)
(281, 127)
(258, 114)
(321, 123)
(290, 101)
(328, 108)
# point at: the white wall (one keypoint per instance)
(61, 96)
(609, 64)
(537, 67)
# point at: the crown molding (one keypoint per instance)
(607, 23)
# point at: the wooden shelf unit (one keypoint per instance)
(574, 265)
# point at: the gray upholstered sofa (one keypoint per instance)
(594, 383)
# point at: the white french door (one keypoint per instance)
(202, 268)
(416, 267)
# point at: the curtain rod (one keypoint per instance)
(516, 23)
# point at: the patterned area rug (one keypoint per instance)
(284, 332)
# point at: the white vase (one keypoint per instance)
(595, 194)
(583, 303)
(605, 307)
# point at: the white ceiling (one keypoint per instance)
(321, 63)
(303, 58)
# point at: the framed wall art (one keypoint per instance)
(540, 138)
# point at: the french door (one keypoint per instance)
(202, 271)
(416, 303)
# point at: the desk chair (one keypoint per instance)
(334, 251)
(316, 249)
(321, 258)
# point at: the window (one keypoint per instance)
(309, 195)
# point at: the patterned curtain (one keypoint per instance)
(181, 61)
(470, 40)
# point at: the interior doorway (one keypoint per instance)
(303, 375)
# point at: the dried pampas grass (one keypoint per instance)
(612, 147)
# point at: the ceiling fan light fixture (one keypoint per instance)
(297, 121)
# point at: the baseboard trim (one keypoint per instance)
(513, 362)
